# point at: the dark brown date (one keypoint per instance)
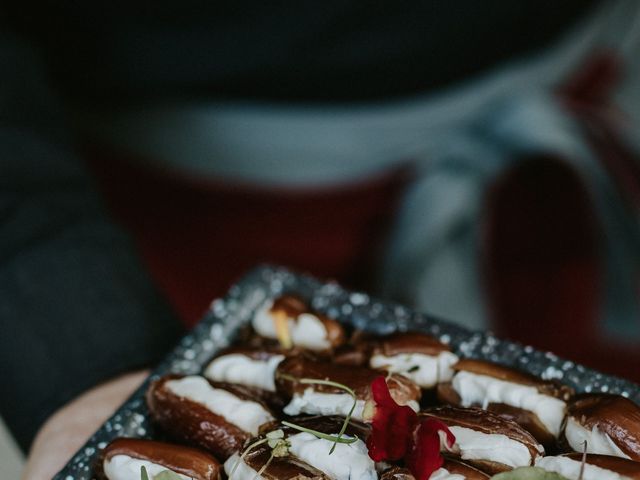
(195, 424)
(293, 306)
(622, 466)
(281, 468)
(487, 423)
(409, 342)
(525, 418)
(179, 459)
(613, 415)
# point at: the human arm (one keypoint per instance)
(76, 305)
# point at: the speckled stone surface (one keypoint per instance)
(221, 324)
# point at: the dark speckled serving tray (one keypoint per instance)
(225, 316)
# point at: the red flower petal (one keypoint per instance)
(392, 425)
(424, 457)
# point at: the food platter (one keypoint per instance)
(226, 316)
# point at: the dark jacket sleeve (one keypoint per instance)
(76, 306)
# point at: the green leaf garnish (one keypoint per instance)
(528, 473)
(335, 439)
(143, 474)
(278, 444)
(415, 368)
(274, 438)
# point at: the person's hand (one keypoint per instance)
(67, 429)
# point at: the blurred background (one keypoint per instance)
(475, 160)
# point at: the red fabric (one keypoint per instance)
(542, 259)
(544, 267)
(197, 237)
(591, 85)
(588, 96)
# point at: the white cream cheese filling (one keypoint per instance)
(315, 403)
(425, 370)
(482, 390)
(241, 369)
(444, 474)
(237, 469)
(495, 447)
(124, 467)
(597, 441)
(306, 331)
(245, 414)
(570, 469)
(349, 461)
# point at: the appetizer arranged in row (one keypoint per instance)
(302, 398)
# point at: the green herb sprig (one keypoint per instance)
(333, 438)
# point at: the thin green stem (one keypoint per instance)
(344, 425)
(324, 436)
